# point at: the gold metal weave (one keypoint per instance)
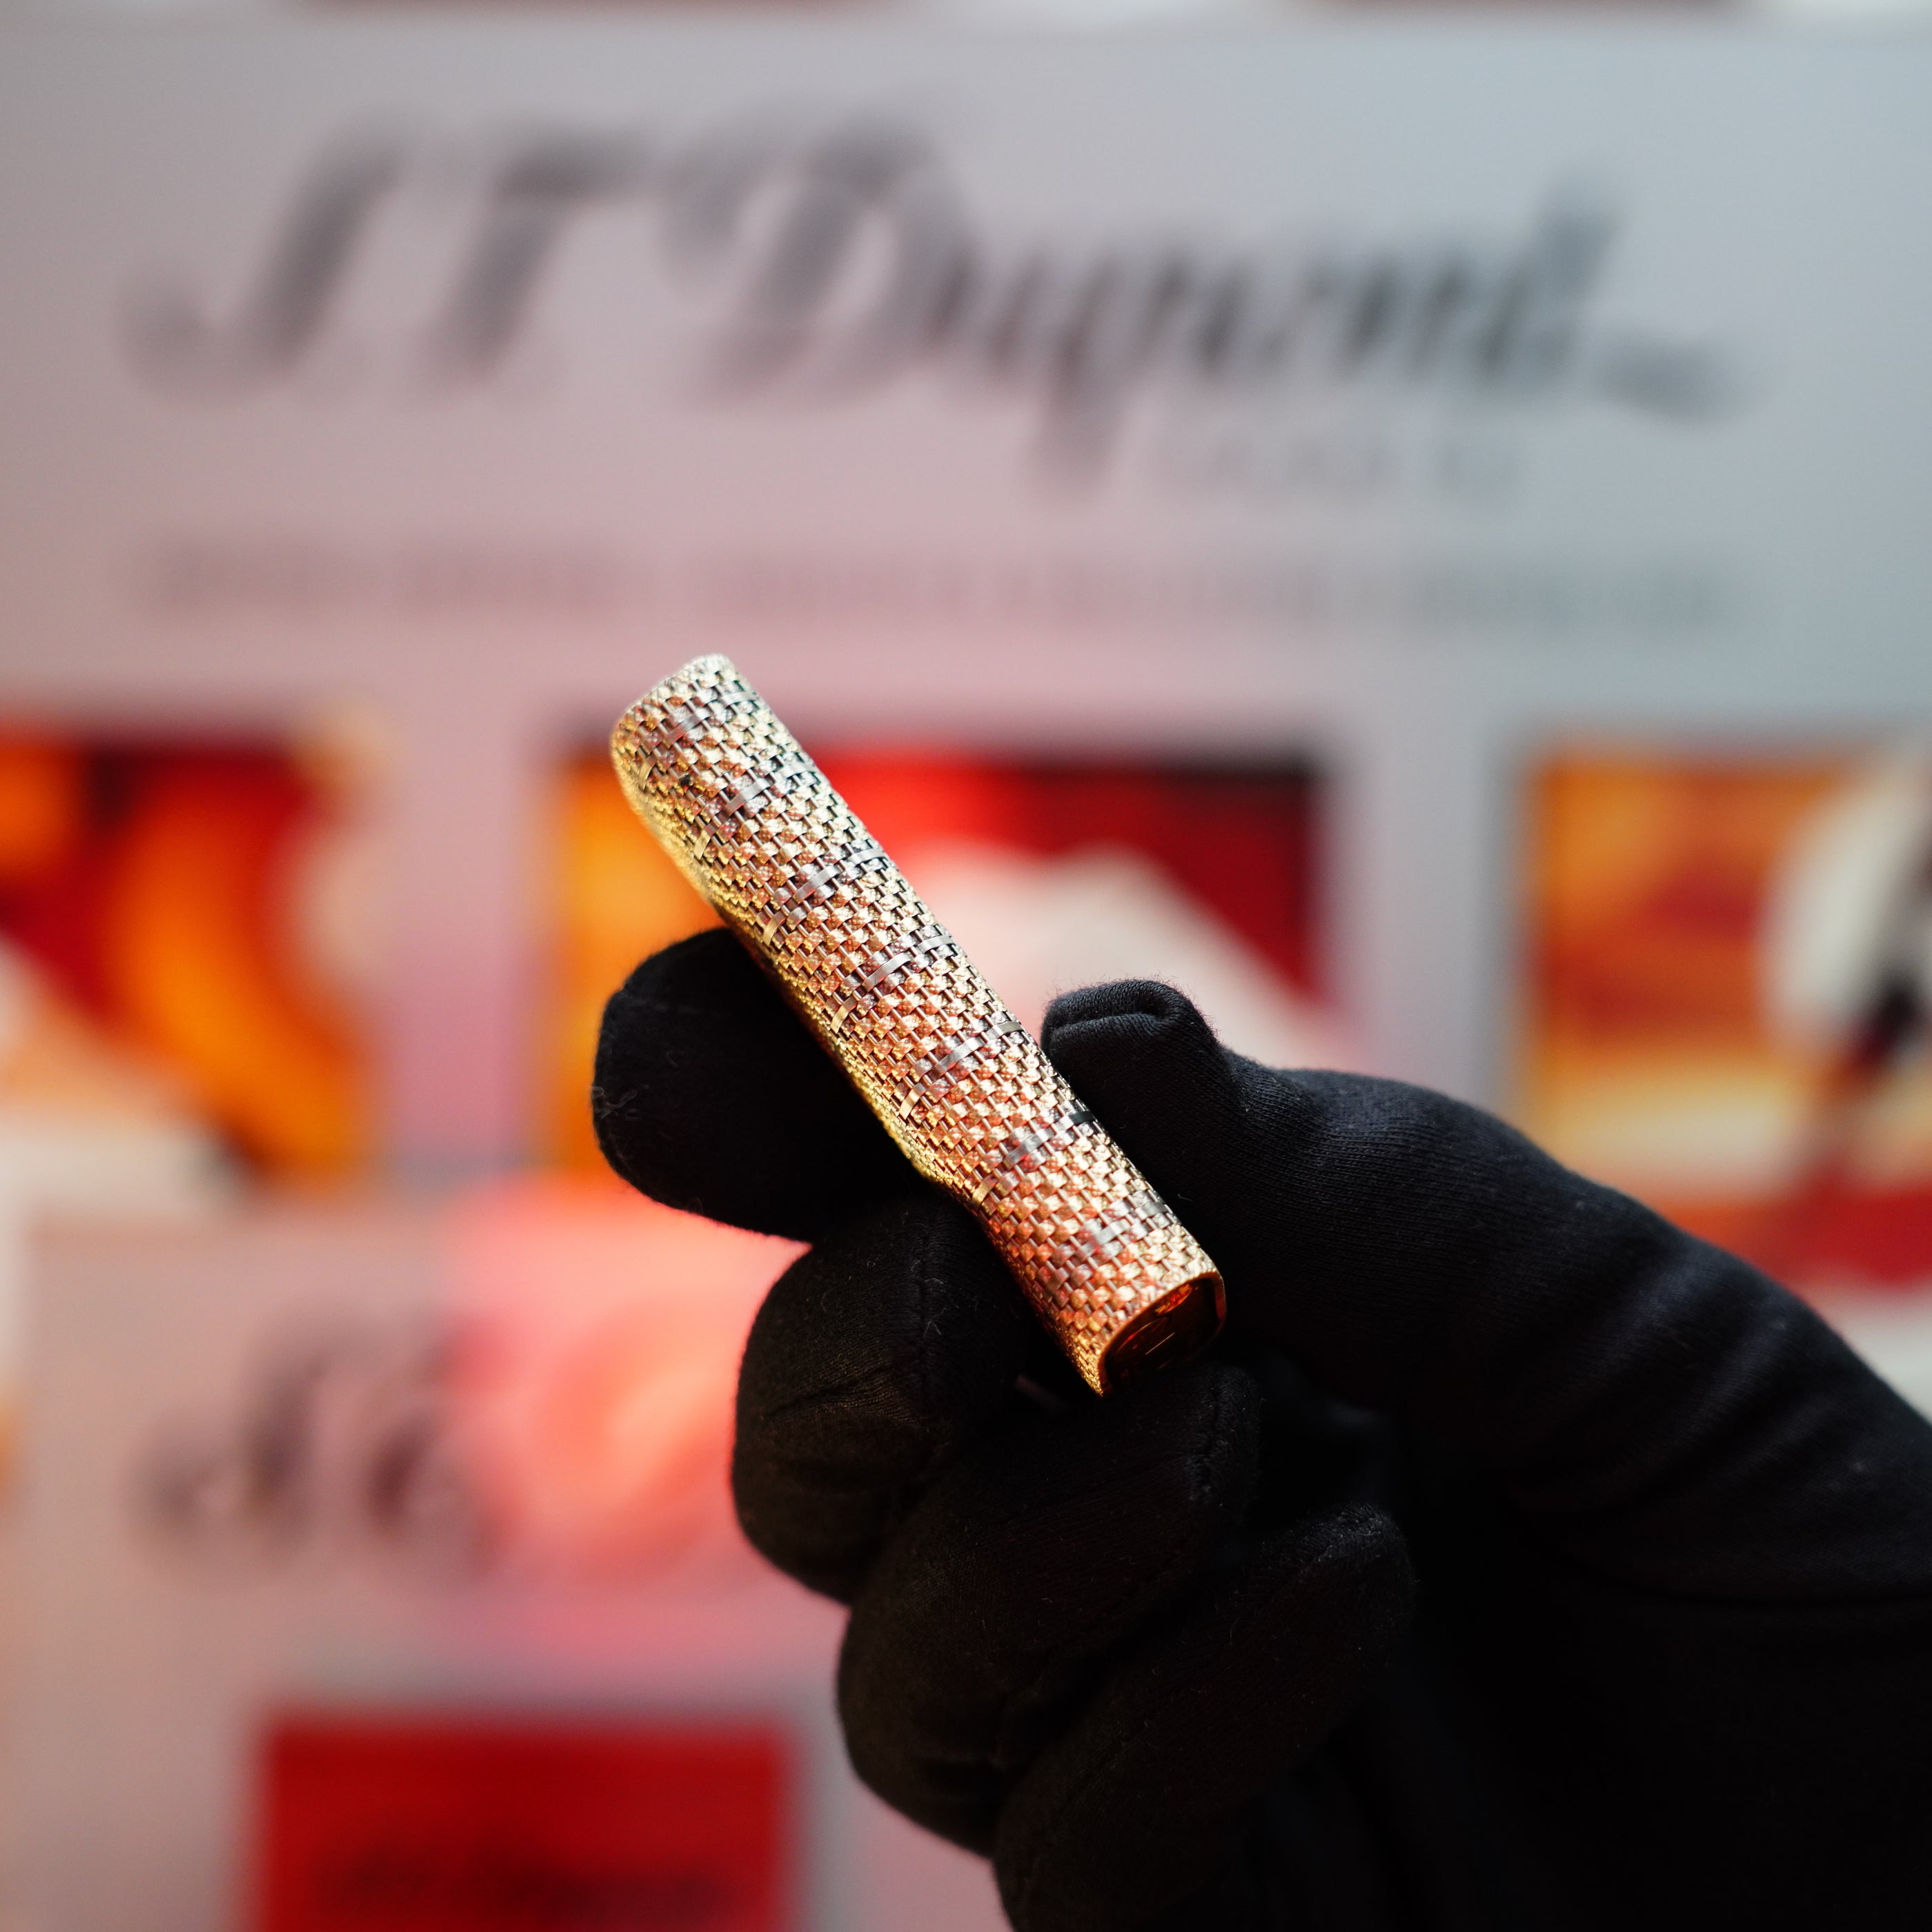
(958, 1082)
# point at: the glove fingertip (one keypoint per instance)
(1143, 1056)
(1150, 1005)
(710, 1095)
(1134, 1043)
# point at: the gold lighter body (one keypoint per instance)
(958, 1082)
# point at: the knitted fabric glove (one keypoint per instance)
(1514, 1560)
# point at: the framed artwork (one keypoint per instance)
(1054, 873)
(187, 934)
(1725, 1007)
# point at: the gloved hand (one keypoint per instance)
(1514, 1560)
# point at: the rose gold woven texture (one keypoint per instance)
(958, 1082)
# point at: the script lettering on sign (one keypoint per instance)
(829, 259)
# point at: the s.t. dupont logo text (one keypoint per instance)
(828, 260)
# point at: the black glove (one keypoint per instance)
(1514, 1560)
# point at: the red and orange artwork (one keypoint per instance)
(182, 954)
(1053, 873)
(1726, 1010)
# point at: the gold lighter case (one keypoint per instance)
(958, 1082)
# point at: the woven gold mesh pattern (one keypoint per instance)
(958, 1081)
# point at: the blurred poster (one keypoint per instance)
(580, 329)
(1053, 874)
(185, 949)
(1727, 1005)
(552, 1401)
(379, 1569)
(393, 1824)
